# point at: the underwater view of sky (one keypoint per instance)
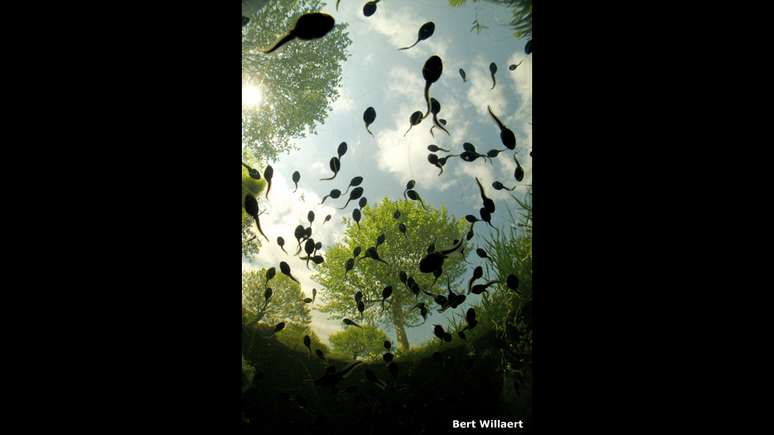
(377, 74)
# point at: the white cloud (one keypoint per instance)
(408, 84)
(401, 27)
(480, 92)
(344, 103)
(406, 156)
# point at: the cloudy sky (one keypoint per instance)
(379, 75)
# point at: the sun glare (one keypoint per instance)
(252, 96)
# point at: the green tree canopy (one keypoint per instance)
(298, 81)
(286, 303)
(366, 341)
(402, 252)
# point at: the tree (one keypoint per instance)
(402, 252)
(286, 303)
(298, 81)
(366, 341)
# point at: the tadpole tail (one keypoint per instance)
(427, 98)
(499, 124)
(369, 131)
(438, 124)
(268, 188)
(258, 224)
(406, 48)
(289, 37)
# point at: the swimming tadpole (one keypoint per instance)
(493, 70)
(425, 32)
(369, 116)
(296, 177)
(414, 119)
(507, 137)
(335, 165)
(431, 72)
(251, 207)
(370, 8)
(309, 26)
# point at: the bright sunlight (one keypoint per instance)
(252, 96)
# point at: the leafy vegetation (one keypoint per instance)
(285, 304)
(521, 22)
(401, 252)
(366, 341)
(298, 81)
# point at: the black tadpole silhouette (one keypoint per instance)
(349, 265)
(268, 174)
(253, 173)
(341, 150)
(425, 32)
(332, 378)
(512, 282)
(327, 218)
(516, 65)
(355, 194)
(356, 216)
(296, 177)
(351, 323)
(373, 254)
(309, 26)
(251, 207)
(354, 182)
(410, 185)
(435, 107)
(370, 8)
(363, 202)
(335, 166)
(434, 260)
(462, 74)
(335, 194)
(285, 269)
(499, 186)
(280, 326)
(482, 254)
(245, 20)
(493, 70)
(518, 173)
(414, 196)
(270, 274)
(528, 47)
(369, 116)
(435, 148)
(489, 205)
(414, 119)
(506, 135)
(431, 72)
(281, 243)
(478, 273)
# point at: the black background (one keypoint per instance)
(128, 303)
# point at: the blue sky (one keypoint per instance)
(378, 75)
